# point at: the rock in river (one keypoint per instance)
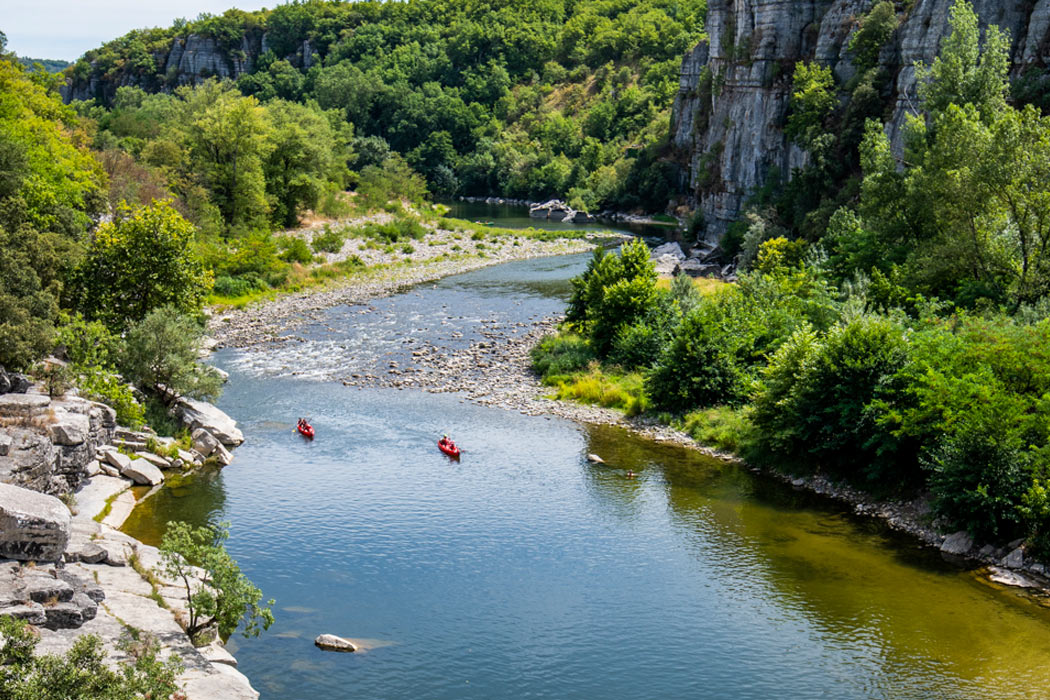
(201, 414)
(330, 642)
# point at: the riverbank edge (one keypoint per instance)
(514, 363)
(1005, 566)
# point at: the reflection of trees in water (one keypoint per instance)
(198, 498)
(891, 616)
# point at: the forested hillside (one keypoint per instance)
(523, 99)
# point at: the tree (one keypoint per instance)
(138, 262)
(306, 153)
(217, 592)
(82, 673)
(162, 356)
(229, 141)
(141, 260)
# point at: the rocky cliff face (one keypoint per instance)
(188, 60)
(734, 91)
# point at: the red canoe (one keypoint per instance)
(449, 448)
(307, 430)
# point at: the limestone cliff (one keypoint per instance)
(186, 60)
(735, 87)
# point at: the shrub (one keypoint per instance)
(815, 396)
(82, 673)
(330, 241)
(294, 250)
(978, 477)
(99, 384)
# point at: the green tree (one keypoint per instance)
(307, 155)
(217, 592)
(162, 353)
(875, 30)
(141, 261)
(812, 101)
(229, 142)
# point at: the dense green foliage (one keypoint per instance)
(140, 261)
(82, 673)
(50, 188)
(217, 592)
(524, 99)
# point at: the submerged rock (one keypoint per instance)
(595, 459)
(330, 642)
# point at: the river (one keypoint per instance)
(525, 571)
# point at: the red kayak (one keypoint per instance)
(449, 448)
(306, 430)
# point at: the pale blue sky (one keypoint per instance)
(65, 29)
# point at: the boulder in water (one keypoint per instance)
(330, 642)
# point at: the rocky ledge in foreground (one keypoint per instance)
(68, 575)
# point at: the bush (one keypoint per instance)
(294, 250)
(238, 286)
(106, 387)
(814, 399)
(330, 241)
(82, 673)
(978, 478)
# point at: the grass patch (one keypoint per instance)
(705, 285)
(608, 388)
(723, 427)
(106, 509)
(150, 578)
(564, 353)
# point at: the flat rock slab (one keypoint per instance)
(22, 404)
(120, 509)
(154, 459)
(1010, 578)
(94, 492)
(33, 526)
(143, 473)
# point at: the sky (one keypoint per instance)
(65, 29)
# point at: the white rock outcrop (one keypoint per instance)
(33, 526)
(201, 414)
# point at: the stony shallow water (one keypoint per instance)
(525, 571)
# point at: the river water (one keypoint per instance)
(523, 571)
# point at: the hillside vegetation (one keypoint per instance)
(522, 99)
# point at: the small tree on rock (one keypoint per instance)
(162, 356)
(217, 592)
